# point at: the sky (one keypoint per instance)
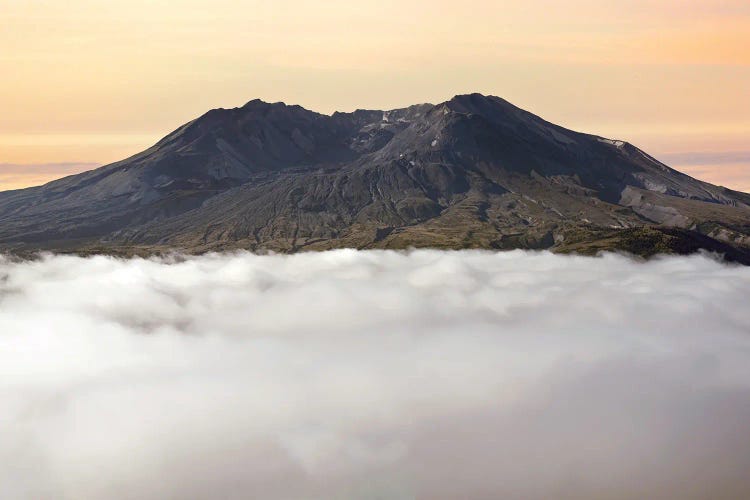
(86, 82)
(429, 374)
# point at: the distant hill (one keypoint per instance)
(472, 172)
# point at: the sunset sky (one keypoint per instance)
(87, 82)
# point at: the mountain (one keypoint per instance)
(474, 171)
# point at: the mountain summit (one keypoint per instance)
(474, 171)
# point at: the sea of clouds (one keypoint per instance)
(374, 375)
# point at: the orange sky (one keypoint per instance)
(88, 82)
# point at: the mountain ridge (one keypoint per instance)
(473, 171)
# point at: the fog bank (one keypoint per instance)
(348, 374)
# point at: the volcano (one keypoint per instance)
(471, 172)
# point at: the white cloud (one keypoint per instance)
(352, 374)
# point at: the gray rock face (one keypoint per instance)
(474, 171)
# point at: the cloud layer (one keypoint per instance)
(350, 374)
(730, 169)
(17, 176)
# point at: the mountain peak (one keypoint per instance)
(258, 103)
(475, 102)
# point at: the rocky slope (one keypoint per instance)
(474, 171)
